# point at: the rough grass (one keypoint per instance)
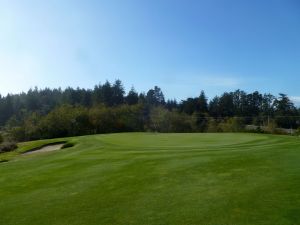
(141, 178)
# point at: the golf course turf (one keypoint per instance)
(159, 179)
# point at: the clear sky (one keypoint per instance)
(182, 46)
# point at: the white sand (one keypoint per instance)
(48, 148)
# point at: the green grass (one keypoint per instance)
(144, 178)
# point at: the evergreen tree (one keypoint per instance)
(285, 112)
(107, 94)
(213, 107)
(117, 93)
(132, 97)
(155, 96)
(202, 103)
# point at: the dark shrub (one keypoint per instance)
(7, 146)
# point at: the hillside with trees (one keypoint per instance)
(107, 108)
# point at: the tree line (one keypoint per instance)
(107, 108)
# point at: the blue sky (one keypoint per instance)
(181, 46)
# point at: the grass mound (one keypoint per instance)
(68, 145)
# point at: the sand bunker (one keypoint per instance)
(48, 148)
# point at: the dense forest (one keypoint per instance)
(50, 113)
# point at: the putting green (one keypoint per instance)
(146, 178)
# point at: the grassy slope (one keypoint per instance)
(162, 179)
